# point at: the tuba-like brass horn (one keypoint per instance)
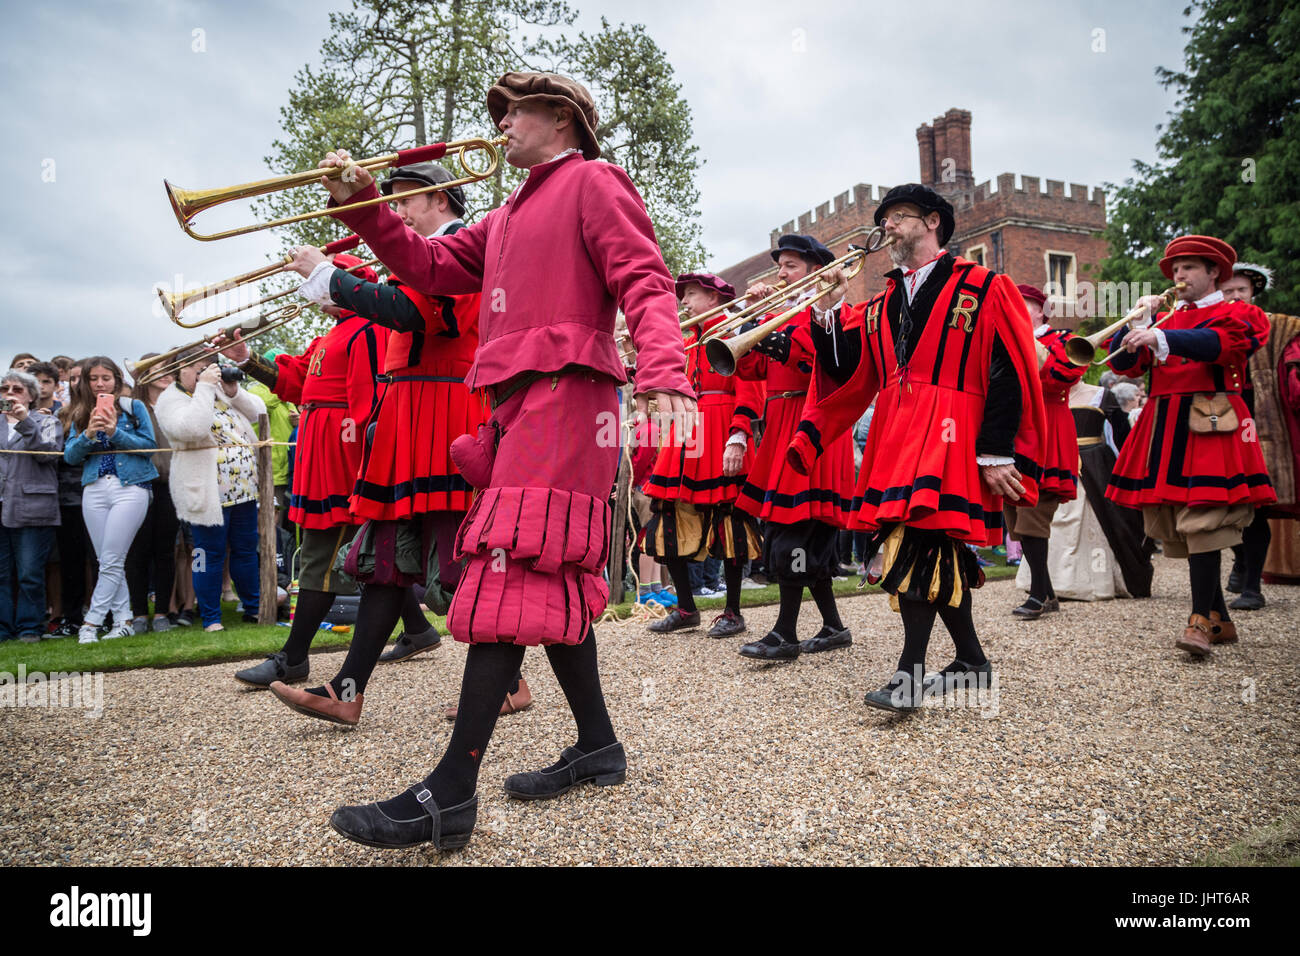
(1081, 350)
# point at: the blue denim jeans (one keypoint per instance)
(23, 552)
(236, 535)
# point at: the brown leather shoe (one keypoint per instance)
(1221, 631)
(329, 708)
(1196, 636)
(521, 699)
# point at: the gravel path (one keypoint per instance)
(1106, 746)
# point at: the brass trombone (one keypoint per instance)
(173, 360)
(188, 203)
(1082, 350)
(876, 240)
(176, 302)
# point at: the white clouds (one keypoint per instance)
(792, 104)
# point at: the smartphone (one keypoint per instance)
(106, 405)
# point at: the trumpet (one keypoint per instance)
(176, 302)
(690, 321)
(173, 360)
(188, 203)
(725, 351)
(1082, 350)
(876, 240)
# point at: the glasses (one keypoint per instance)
(14, 389)
(898, 217)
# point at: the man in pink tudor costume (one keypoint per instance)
(570, 246)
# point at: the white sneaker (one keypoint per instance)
(125, 629)
(88, 634)
(748, 584)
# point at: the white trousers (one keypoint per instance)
(113, 513)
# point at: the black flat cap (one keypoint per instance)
(427, 174)
(927, 199)
(806, 246)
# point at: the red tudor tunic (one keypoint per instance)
(919, 465)
(425, 405)
(333, 383)
(693, 471)
(1059, 455)
(569, 247)
(774, 490)
(1163, 461)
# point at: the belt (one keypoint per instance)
(308, 406)
(715, 391)
(772, 398)
(502, 393)
(1089, 441)
(390, 379)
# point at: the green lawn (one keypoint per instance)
(1277, 844)
(240, 641)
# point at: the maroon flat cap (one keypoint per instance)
(1029, 292)
(707, 281)
(554, 88)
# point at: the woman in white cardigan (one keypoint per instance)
(213, 481)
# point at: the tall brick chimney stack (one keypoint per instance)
(925, 144)
(945, 152)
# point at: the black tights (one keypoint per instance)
(787, 619)
(1253, 551)
(310, 611)
(489, 671)
(681, 575)
(732, 572)
(918, 621)
(1040, 581)
(1207, 589)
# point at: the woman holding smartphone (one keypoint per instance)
(115, 484)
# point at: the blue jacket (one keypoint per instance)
(134, 430)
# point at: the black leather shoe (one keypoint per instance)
(1234, 578)
(726, 624)
(676, 621)
(827, 639)
(406, 646)
(605, 767)
(1249, 601)
(773, 647)
(446, 829)
(899, 695)
(1052, 604)
(1031, 610)
(275, 667)
(970, 677)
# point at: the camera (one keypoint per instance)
(232, 373)
(6, 406)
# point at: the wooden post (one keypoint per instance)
(266, 608)
(622, 492)
(619, 542)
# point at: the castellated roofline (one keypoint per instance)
(1009, 186)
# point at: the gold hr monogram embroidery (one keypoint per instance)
(965, 305)
(317, 358)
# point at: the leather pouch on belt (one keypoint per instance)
(1212, 412)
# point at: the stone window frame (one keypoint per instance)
(1072, 275)
(982, 249)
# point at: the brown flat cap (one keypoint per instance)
(514, 87)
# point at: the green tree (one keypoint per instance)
(400, 73)
(645, 127)
(1229, 158)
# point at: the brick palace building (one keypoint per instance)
(1034, 235)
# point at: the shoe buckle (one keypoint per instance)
(423, 795)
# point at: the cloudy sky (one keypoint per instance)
(792, 103)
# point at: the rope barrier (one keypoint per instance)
(153, 451)
(642, 612)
